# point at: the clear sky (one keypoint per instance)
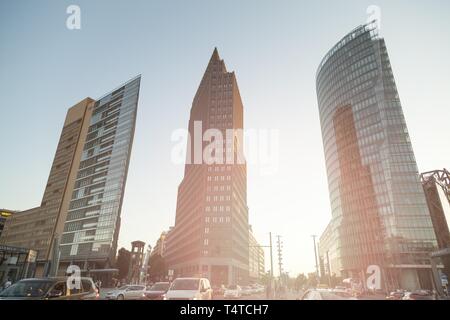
(274, 47)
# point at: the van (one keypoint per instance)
(189, 289)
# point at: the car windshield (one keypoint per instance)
(232, 287)
(32, 289)
(185, 284)
(159, 287)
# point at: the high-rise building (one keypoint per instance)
(379, 211)
(210, 236)
(81, 205)
(91, 229)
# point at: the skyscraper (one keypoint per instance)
(210, 236)
(80, 209)
(379, 212)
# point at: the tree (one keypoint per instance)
(157, 269)
(312, 280)
(300, 281)
(123, 262)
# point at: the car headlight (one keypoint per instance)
(194, 298)
(164, 297)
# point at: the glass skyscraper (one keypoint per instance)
(379, 211)
(92, 225)
(78, 219)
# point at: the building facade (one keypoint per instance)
(256, 263)
(91, 229)
(160, 246)
(4, 214)
(210, 235)
(379, 212)
(84, 190)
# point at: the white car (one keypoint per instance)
(189, 289)
(128, 292)
(233, 292)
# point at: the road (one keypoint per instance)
(260, 296)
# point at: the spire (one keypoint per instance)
(215, 55)
(215, 63)
(215, 66)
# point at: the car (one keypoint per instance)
(54, 288)
(127, 292)
(189, 289)
(156, 291)
(419, 295)
(233, 292)
(324, 294)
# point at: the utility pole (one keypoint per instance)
(271, 257)
(315, 256)
(280, 256)
(271, 267)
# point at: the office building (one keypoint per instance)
(78, 219)
(210, 235)
(379, 211)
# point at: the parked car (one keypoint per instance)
(50, 288)
(324, 294)
(156, 291)
(419, 295)
(233, 292)
(189, 289)
(127, 292)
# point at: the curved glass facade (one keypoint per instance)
(379, 210)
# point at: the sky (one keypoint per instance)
(274, 47)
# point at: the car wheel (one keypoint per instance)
(120, 297)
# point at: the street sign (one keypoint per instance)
(170, 272)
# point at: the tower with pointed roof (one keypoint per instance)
(210, 236)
